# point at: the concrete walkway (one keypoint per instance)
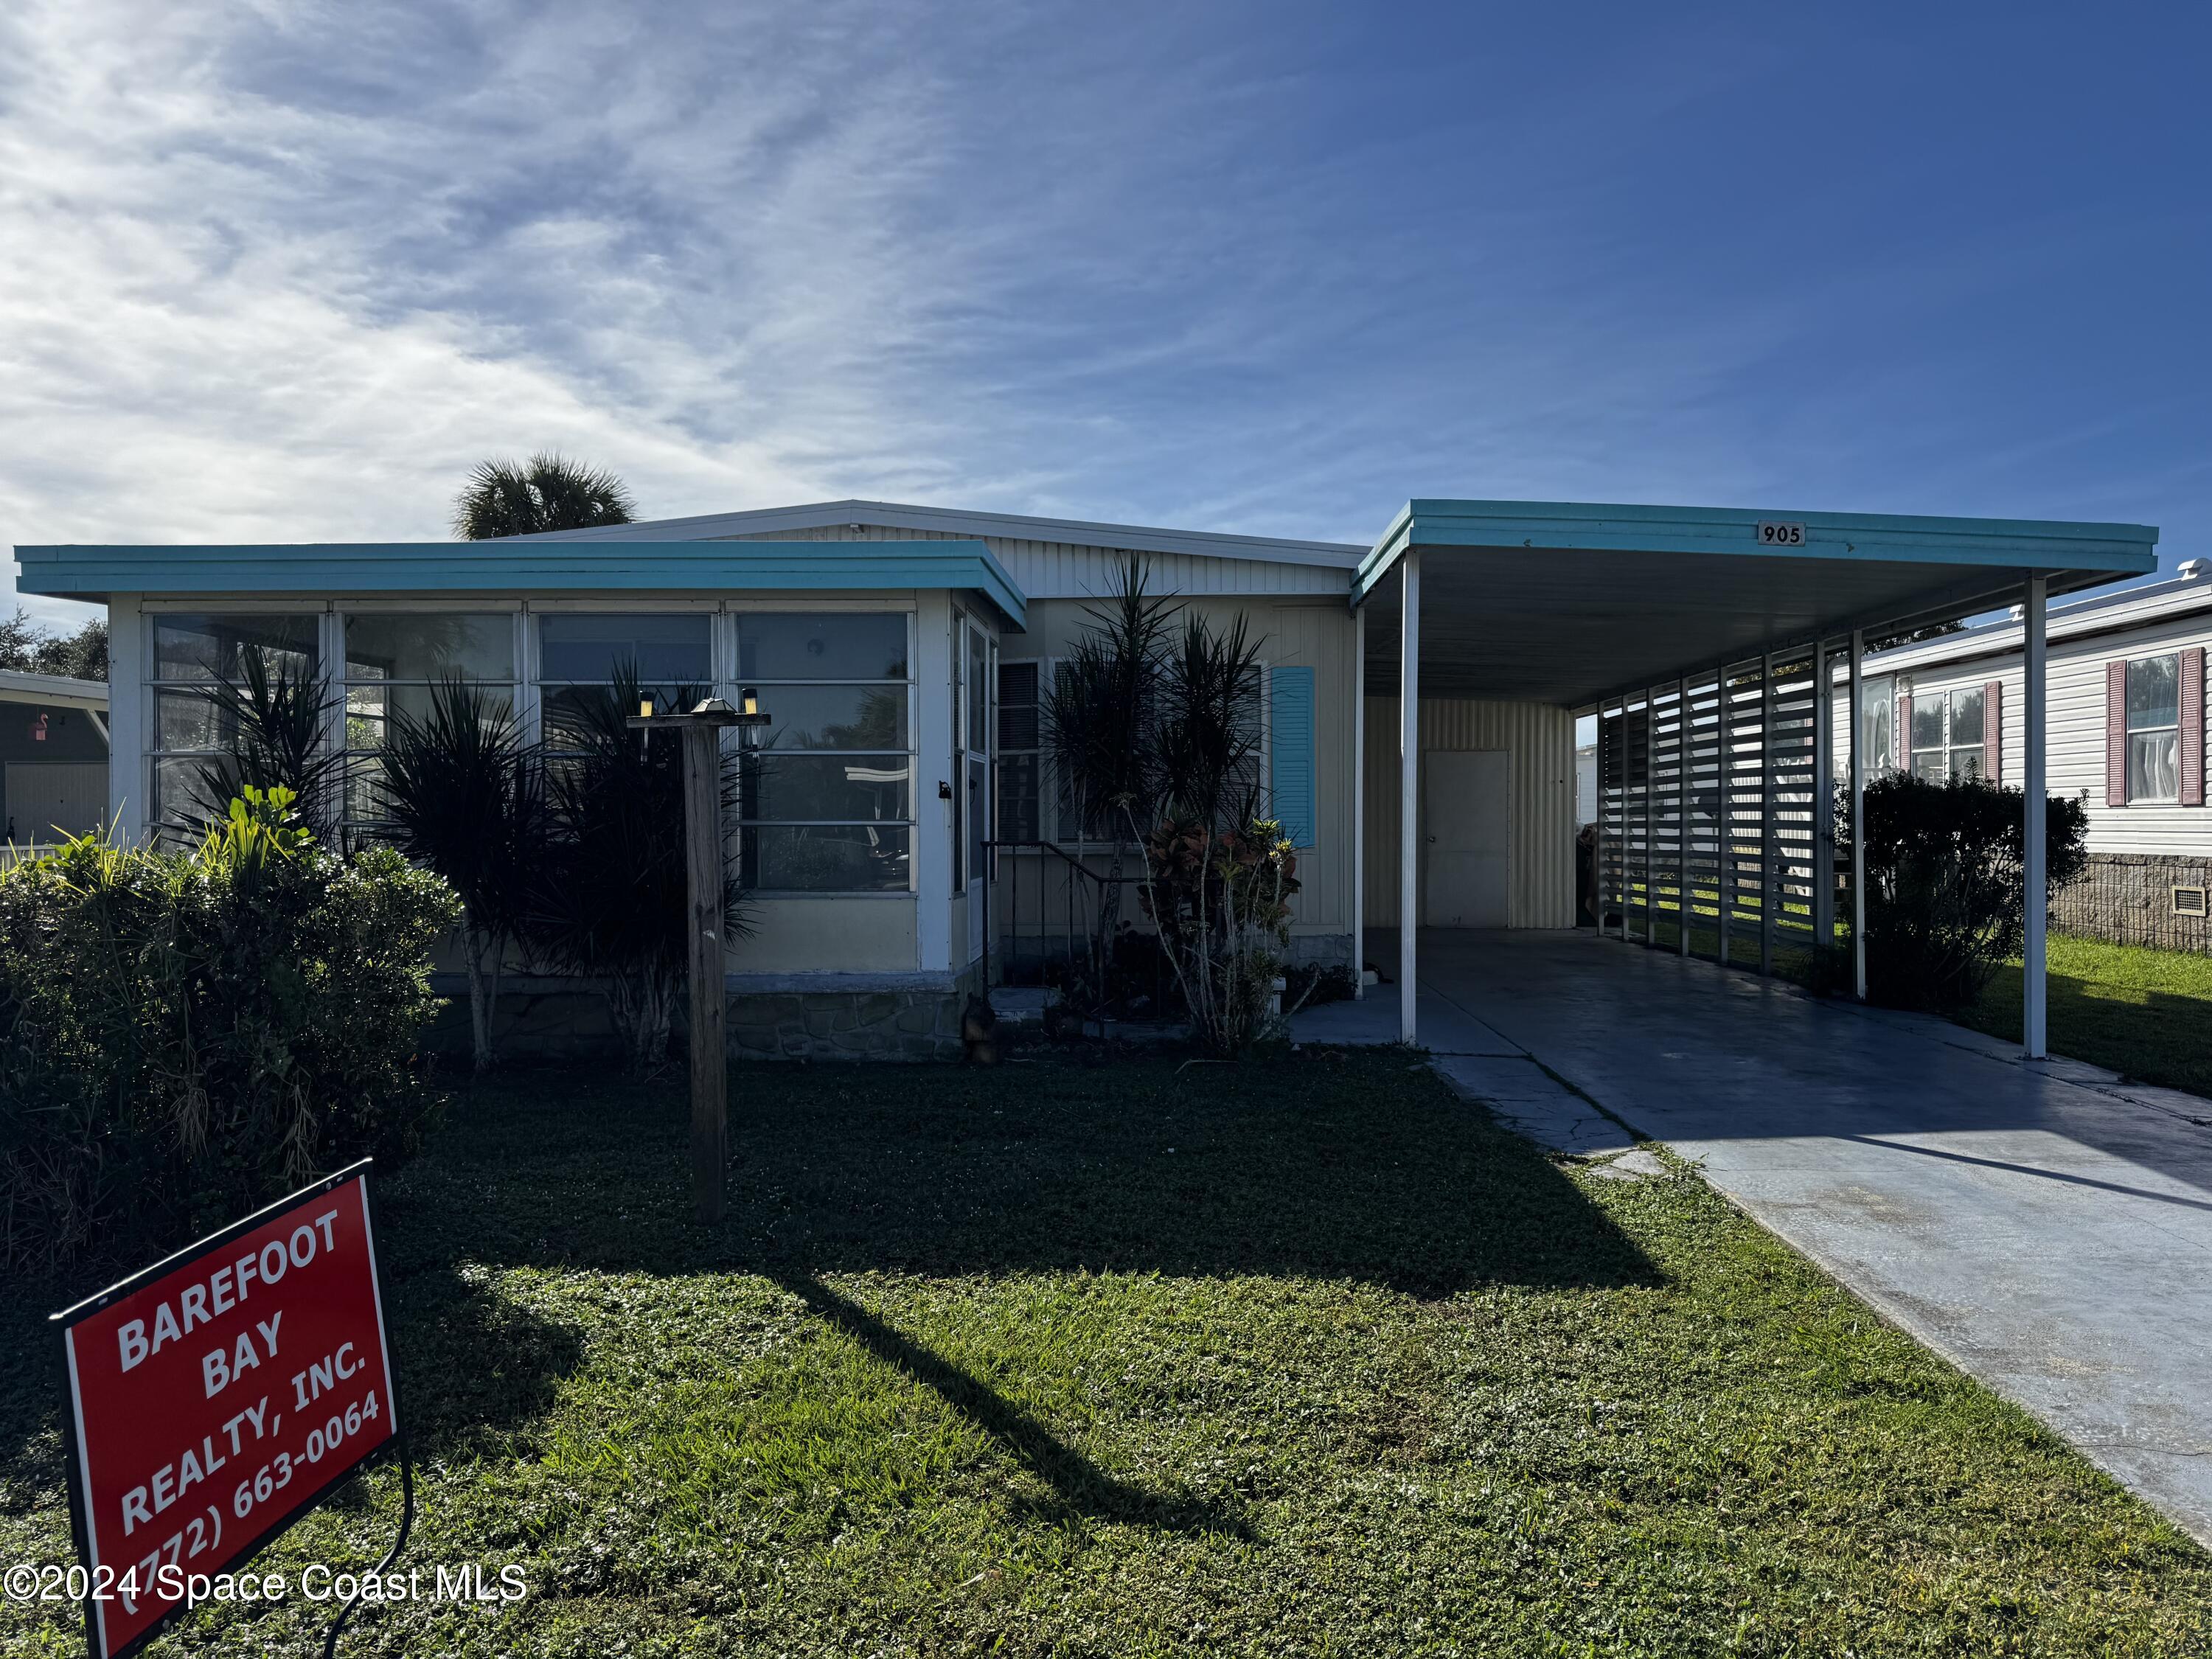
(2045, 1227)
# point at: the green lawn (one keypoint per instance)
(1298, 1358)
(2141, 1013)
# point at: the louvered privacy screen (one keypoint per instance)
(1713, 787)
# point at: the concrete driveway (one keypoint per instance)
(2045, 1227)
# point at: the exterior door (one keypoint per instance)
(978, 684)
(1466, 811)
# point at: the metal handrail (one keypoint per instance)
(1076, 868)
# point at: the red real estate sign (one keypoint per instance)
(215, 1396)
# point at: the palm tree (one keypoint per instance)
(464, 796)
(547, 492)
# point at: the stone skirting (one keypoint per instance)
(2128, 898)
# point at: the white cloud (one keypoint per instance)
(286, 271)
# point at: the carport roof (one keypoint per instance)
(1567, 603)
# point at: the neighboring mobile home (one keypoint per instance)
(2127, 683)
(53, 757)
(902, 653)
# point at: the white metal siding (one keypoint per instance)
(2074, 746)
(1541, 738)
(1047, 571)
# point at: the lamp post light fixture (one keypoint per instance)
(702, 879)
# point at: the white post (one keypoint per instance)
(934, 780)
(1770, 888)
(130, 759)
(1723, 820)
(1824, 806)
(1358, 805)
(2031, 952)
(1858, 820)
(1682, 815)
(1409, 781)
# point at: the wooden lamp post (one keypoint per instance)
(701, 731)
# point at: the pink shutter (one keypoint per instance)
(2116, 734)
(1901, 739)
(1993, 729)
(2192, 726)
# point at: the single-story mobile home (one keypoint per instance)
(53, 757)
(1421, 694)
(2127, 682)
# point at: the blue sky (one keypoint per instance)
(284, 271)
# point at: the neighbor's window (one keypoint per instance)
(579, 655)
(191, 654)
(1877, 721)
(2155, 729)
(827, 803)
(1949, 733)
(392, 660)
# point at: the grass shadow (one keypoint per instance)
(1357, 1167)
(1080, 1486)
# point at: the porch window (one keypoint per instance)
(827, 799)
(393, 660)
(579, 655)
(192, 653)
(2155, 728)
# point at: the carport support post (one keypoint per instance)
(1358, 805)
(1682, 815)
(1824, 807)
(2031, 952)
(1769, 887)
(1858, 820)
(1409, 780)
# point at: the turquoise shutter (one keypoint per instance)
(1291, 754)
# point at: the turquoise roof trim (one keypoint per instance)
(516, 567)
(2114, 550)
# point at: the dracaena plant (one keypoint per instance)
(462, 794)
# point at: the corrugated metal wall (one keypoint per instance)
(1540, 890)
(1044, 570)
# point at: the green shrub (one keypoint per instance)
(185, 1035)
(1946, 882)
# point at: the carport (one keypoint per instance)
(1704, 639)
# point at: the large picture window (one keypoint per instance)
(2155, 728)
(827, 800)
(192, 655)
(393, 660)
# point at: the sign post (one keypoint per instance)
(217, 1396)
(701, 731)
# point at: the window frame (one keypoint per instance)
(732, 657)
(1948, 748)
(342, 682)
(160, 822)
(2129, 730)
